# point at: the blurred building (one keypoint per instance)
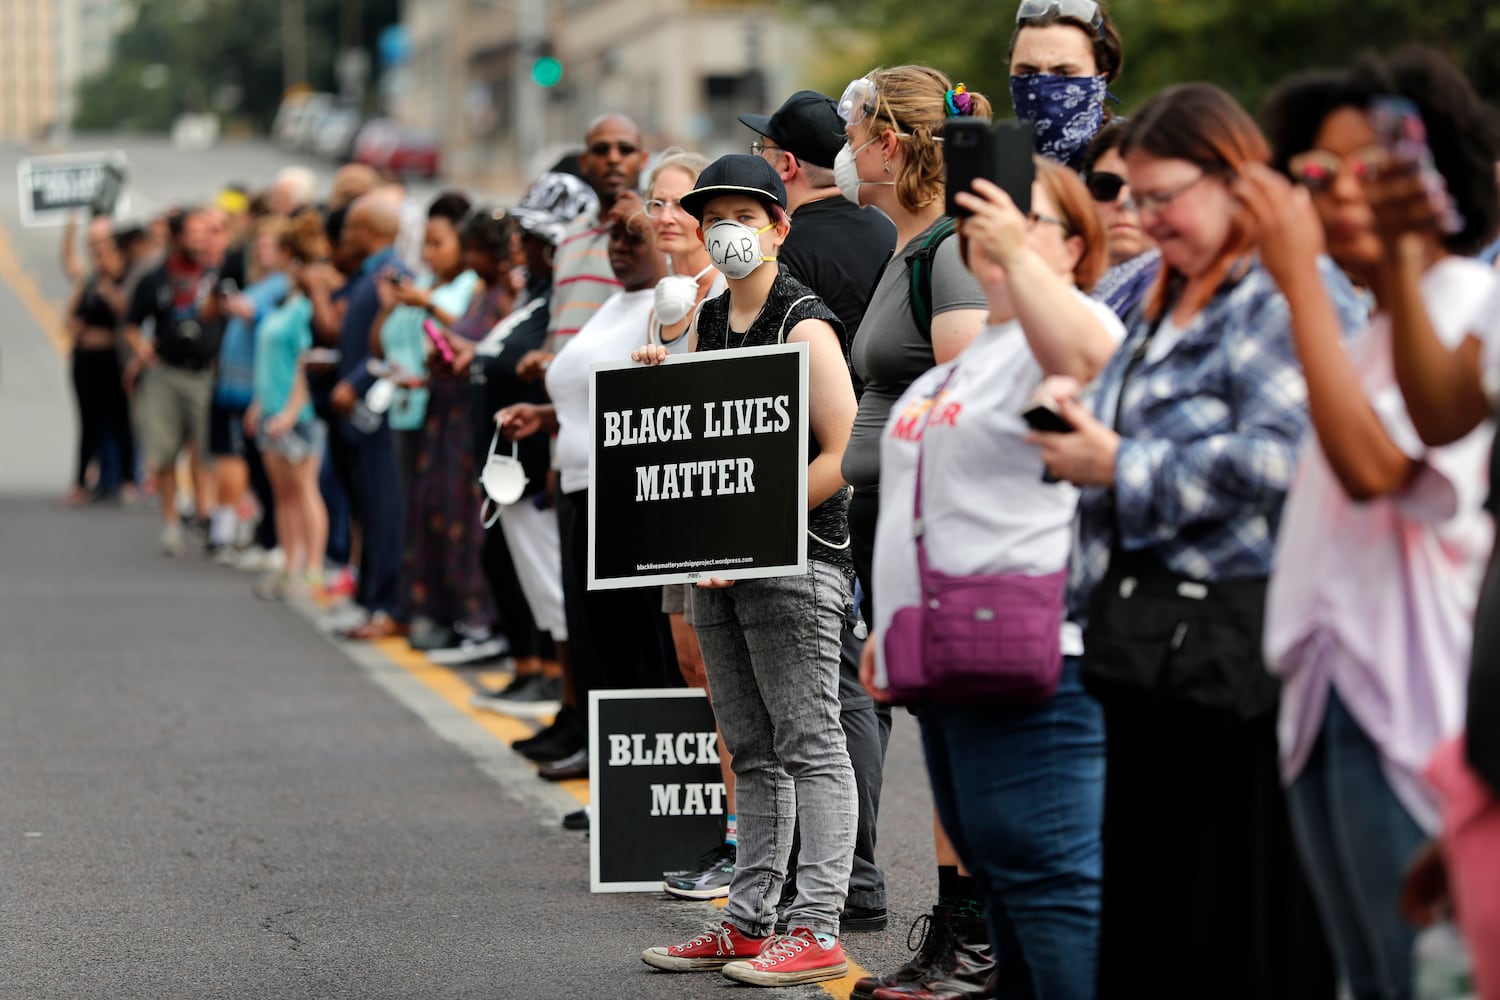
(481, 72)
(46, 48)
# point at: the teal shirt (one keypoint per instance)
(405, 344)
(280, 339)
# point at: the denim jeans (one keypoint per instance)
(1355, 840)
(1020, 792)
(771, 650)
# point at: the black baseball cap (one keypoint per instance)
(807, 125)
(737, 173)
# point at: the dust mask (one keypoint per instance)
(846, 172)
(676, 294)
(734, 247)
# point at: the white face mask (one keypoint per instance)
(735, 248)
(380, 394)
(503, 478)
(846, 172)
(676, 294)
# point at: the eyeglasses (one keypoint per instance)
(1159, 201)
(1086, 11)
(1035, 219)
(623, 148)
(1104, 187)
(858, 101)
(759, 146)
(657, 207)
(1318, 170)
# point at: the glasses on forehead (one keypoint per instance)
(858, 101)
(1086, 11)
(603, 148)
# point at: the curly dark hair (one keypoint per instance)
(1461, 129)
(492, 231)
(451, 205)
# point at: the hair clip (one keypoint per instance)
(959, 102)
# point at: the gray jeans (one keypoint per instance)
(771, 649)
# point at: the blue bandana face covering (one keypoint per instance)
(1065, 112)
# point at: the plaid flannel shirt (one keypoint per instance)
(1209, 436)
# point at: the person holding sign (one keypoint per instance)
(771, 646)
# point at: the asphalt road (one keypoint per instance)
(202, 796)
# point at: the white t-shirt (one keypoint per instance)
(984, 505)
(616, 329)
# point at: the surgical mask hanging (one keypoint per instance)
(1065, 112)
(734, 247)
(846, 172)
(676, 294)
(503, 479)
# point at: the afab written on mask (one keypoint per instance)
(718, 419)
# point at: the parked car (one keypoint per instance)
(398, 148)
(296, 117)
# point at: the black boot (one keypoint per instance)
(935, 957)
(973, 975)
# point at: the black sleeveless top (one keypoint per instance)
(93, 309)
(827, 523)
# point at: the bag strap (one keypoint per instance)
(919, 268)
(919, 528)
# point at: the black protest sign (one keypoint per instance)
(698, 468)
(51, 187)
(656, 795)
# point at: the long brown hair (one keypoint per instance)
(1202, 124)
(1072, 199)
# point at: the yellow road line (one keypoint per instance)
(42, 312)
(455, 690)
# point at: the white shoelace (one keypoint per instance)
(781, 948)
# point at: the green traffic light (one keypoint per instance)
(547, 71)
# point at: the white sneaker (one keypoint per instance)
(251, 560)
(227, 555)
(172, 543)
(469, 650)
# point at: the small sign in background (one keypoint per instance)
(53, 187)
(650, 812)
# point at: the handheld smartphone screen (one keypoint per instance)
(438, 340)
(1043, 416)
(1001, 153)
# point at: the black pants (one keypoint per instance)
(616, 638)
(103, 413)
(366, 469)
(864, 512)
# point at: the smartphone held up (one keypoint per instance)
(1403, 135)
(1001, 153)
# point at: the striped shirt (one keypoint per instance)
(581, 280)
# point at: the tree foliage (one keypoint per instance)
(1245, 46)
(212, 50)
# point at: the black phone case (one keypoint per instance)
(1001, 153)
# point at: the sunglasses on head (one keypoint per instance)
(1104, 186)
(1086, 11)
(624, 148)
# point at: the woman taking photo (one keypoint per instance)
(280, 416)
(1019, 788)
(1384, 540)
(893, 160)
(771, 646)
(1185, 461)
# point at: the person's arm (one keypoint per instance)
(141, 305)
(830, 407)
(285, 419)
(377, 346)
(71, 265)
(1367, 463)
(953, 331)
(522, 420)
(1064, 334)
(327, 315)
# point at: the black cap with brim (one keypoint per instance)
(807, 125)
(737, 173)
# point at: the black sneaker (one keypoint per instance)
(852, 920)
(475, 646)
(563, 743)
(578, 819)
(710, 881)
(563, 723)
(529, 697)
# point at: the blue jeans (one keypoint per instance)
(771, 651)
(1020, 792)
(1355, 840)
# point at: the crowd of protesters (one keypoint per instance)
(1208, 424)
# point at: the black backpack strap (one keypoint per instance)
(919, 267)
